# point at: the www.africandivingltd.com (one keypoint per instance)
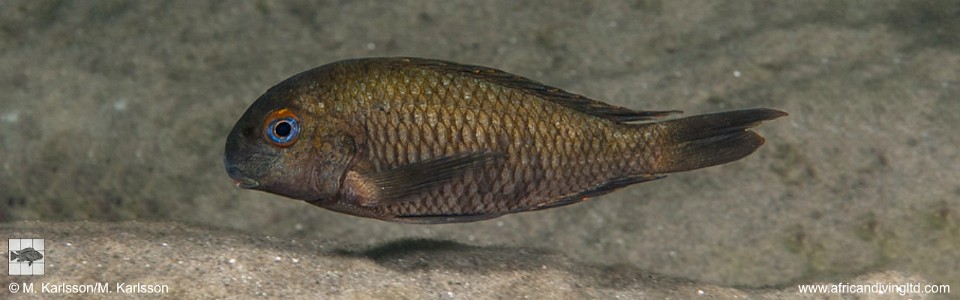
(875, 288)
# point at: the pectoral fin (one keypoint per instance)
(402, 183)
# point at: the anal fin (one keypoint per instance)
(440, 219)
(600, 189)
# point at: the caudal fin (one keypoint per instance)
(13, 256)
(712, 139)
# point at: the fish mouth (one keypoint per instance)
(237, 176)
(240, 180)
(246, 183)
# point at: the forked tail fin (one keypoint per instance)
(13, 256)
(712, 139)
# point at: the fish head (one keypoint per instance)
(287, 144)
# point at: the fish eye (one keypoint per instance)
(282, 127)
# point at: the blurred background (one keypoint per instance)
(118, 110)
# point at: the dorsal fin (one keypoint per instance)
(552, 94)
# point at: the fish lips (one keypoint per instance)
(238, 177)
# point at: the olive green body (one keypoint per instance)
(426, 141)
(549, 151)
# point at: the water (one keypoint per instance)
(118, 110)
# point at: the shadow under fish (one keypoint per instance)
(424, 255)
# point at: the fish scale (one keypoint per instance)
(467, 134)
(427, 141)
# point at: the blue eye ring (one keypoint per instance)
(282, 128)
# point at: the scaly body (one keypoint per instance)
(425, 141)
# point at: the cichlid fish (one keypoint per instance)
(28, 254)
(426, 141)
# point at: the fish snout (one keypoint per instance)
(238, 177)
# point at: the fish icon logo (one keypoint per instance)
(27, 254)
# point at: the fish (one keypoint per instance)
(425, 141)
(28, 254)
